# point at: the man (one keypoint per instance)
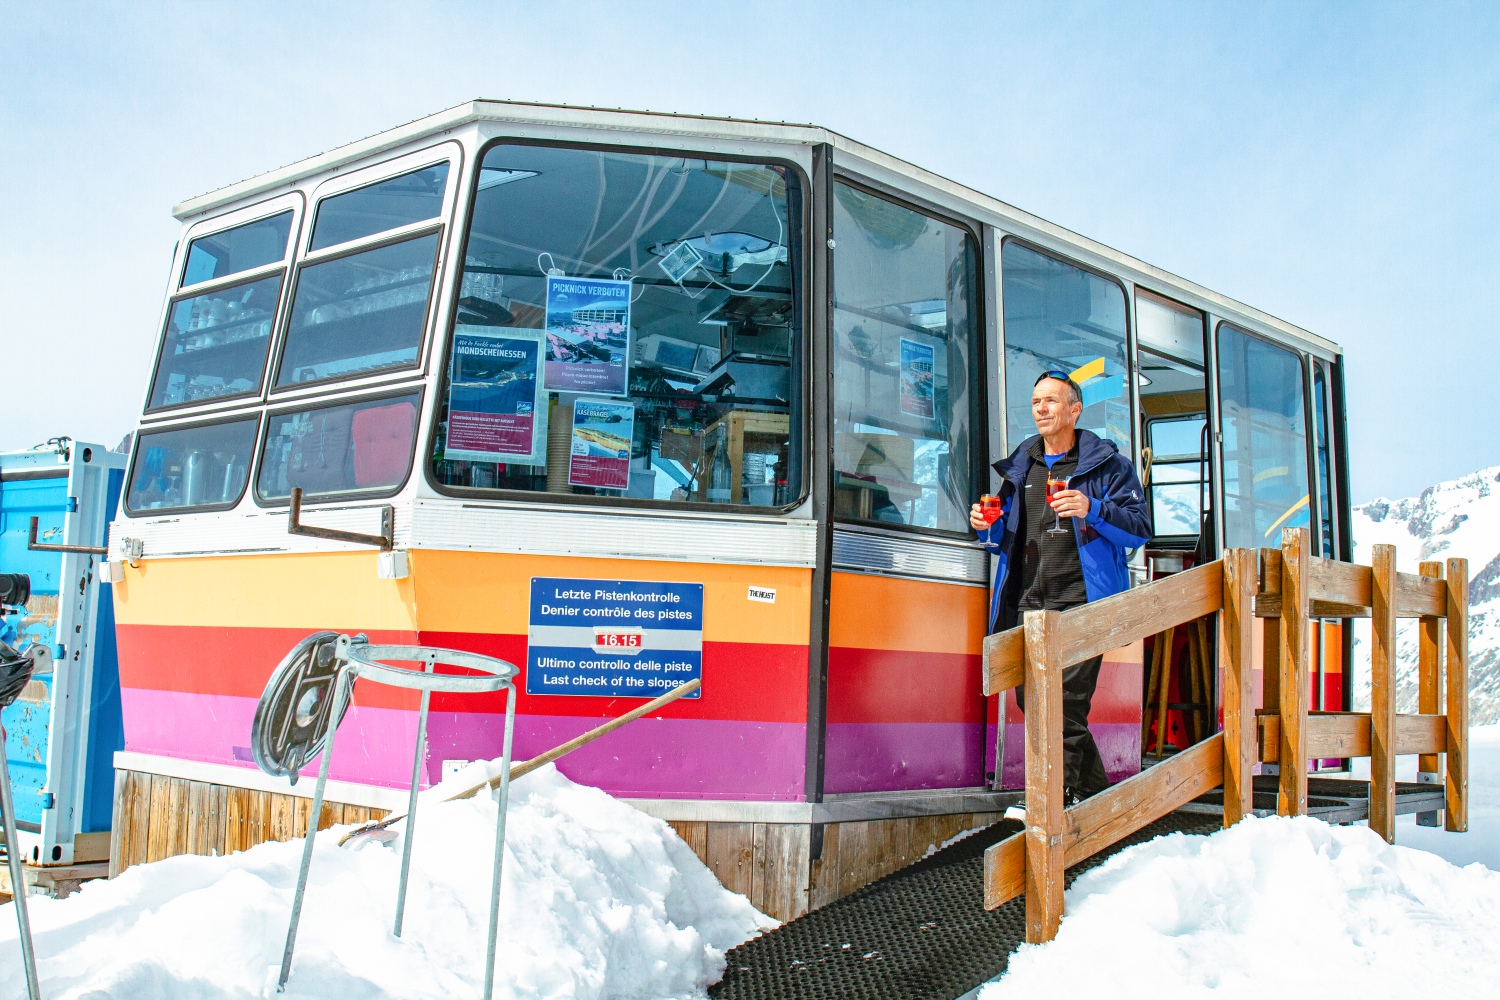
(1042, 570)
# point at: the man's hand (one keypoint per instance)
(1071, 503)
(976, 519)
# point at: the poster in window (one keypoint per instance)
(588, 335)
(497, 411)
(600, 452)
(916, 378)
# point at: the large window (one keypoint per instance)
(204, 467)
(904, 331)
(243, 248)
(380, 207)
(1058, 316)
(215, 344)
(1265, 439)
(628, 325)
(339, 449)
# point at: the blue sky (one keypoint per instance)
(1333, 164)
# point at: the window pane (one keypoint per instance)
(376, 208)
(1174, 508)
(903, 334)
(192, 467)
(1058, 316)
(1324, 471)
(1265, 440)
(216, 344)
(628, 325)
(242, 248)
(359, 313)
(332, 450)
(1176, 437)
(1169, 327)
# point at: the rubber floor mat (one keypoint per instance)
(920, 933)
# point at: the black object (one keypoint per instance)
(15, 671)
(921, 933)
(292, 722)
(15, 589)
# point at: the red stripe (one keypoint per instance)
(753, 682)
(886, 685)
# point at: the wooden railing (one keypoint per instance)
(1289, 589)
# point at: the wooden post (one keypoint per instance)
(1291, 799)
(1044, 777)
(1456, 793)
(1430, 687)
(1236, 653)
(1383, 691)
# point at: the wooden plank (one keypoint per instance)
(783, 868)
(1109, 817)
(1420, 595)
(1237, 655)
(731, 853)
(158, 825)
(1003, 654)
(197, 827)
(218, 801)
(823, 870)
(855, 840)
(117, 824)
(1456, 790)
(1347, 734)
(1429, 673)
(1383, 691)
(1101, 626)
(694, 834)
(1044, 775)
(283, 818)
(1270, 667)
(1291, 797)
(1338, 582)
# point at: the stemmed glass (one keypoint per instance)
(1055, 485)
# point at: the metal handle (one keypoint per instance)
(35, 546)
(294, 526)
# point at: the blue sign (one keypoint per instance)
(613, 638)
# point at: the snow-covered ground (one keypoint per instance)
(1460, 518)
(598, 900)
(1286, 908)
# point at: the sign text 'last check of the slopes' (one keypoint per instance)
(613, 638)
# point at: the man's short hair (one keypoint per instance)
(1075, 394)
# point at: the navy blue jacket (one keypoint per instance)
(1118, 520)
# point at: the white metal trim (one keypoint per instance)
(345, 792)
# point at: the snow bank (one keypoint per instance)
(1270, 907)
(598, 900)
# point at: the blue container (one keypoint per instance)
(62, 733)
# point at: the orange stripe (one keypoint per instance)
(878, 612)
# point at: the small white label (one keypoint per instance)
(766, 595)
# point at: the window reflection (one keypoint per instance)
(1058, 316)
(215, 344)
(627, 325)
(359, 313)
(904, 329)
(377, 208)
(242, 248)
(1265, 439)
(333, 450)
(202, 467)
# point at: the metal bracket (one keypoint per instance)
(35, 546)
(294, 526)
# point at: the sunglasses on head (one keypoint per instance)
(1060, 376)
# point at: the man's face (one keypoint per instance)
(1050, 407)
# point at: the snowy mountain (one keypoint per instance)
(1457, 519)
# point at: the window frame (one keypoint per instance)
(1131, 367)
(353, 249)
(297, 202)
(1210, 482)
(135, 456)
(978, 357)
(803, 368)
(361, 395)
(1301, 355)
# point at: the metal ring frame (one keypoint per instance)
(361, 660)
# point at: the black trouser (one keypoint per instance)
(1083, 767)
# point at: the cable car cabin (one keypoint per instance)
(654, 397)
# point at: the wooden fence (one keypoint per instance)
(1288, 588)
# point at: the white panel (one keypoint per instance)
(914, 556)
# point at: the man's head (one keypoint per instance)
(1056, 403)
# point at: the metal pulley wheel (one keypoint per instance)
(15, 671)
(292, 722)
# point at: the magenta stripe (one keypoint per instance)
(1119, 744)
(650, 758)
(896, 756)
